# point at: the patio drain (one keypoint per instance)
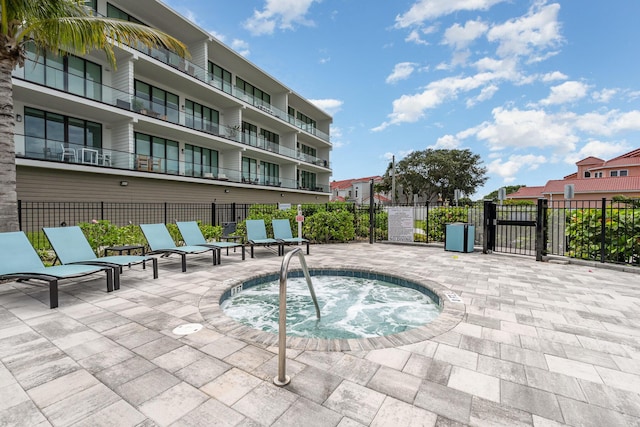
(188, 328)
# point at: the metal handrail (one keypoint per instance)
(282, 379)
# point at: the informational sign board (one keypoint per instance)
(284, 206)
(400, 224)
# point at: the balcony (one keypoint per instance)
(60, 80)
(34, 148)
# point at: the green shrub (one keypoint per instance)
(328, 227)
(439, 217)
(381, 221)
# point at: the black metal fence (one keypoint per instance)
(598, 230)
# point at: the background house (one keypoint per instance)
(595, 179)
(357, 191)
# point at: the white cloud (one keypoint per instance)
(401, 71)
(485, 94)
(447, 142)
(280, 14)
(509, 168)
(424, 10)
(240, 46)
(604, 95)
(399, 155)
(218, 36)
(461, 36)
(566, 92)
(530, 34)
(600, 149)
(330, 106)
(556, 75)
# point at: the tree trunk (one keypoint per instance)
(8, 195)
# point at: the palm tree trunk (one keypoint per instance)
(8, 195)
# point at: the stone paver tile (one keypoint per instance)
(401, 414)
(80, 405)
(545, 422)
(424, 348)
(89, 348)
(417, 365)
(456, 356)
(619, 379)
(38, 374)
(578, 413)
(11, 395)
(530, 399)
(355, 401)
(395, 384)
(502, 369)
(100, 361)
(223, 347)
(119, 414)
(178, 358)
(202, 371)
(348, 422)
(468, 329)
(518, 328)
(444, 401)
(211, 413)
(248, 358)
(559, 336)
(450, 338)
(573, 368)
(74, 339)
(487, 413)
(146, 386)
(603, 346)
(502, 337)
(523, 356)
(320, 359)
(590, 356)
(23, 414)
(173, 404)
(626, 364)
(555, 383)
(309, 414)
(472, 382)
(265, 403)
(125, 371)
(158, 347)
(231, 386)
(201, 338)
(439, 372)
(612, 398)
(314, 384)
(391, 357)
(137, 339)
(62, 387)
(447, 422)
(501, 315)
(542, 346)
(269, 369)
(480, 346)
(55, 326)
(354, 369)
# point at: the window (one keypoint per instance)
(114, 12)
(271, 140)
(258, 97)
(587, 174)
(46, 133)
(219, 77)
(613, 173)
(623, 173)
(92, 4)
(156, 102)
(269, 173)
(200, 162)
(249, 170)
(198, 116)
(307, 180)
(162, 154)
(598, 174)
(618, 173)
(250, 134)
(308, 121)
(67, 73)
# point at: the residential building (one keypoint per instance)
(162, 128)
(594, 179)
(357, 191)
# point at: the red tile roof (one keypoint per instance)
(348, 183)
(527, 193)
(590, 161)
(595, 185)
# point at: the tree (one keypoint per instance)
(435, 174)
(60, 27)
(508, 190)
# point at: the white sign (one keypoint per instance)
(284, 206)
(400, 224)
(453, 297)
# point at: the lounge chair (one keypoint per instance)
(18, 260)
(257, 236)
(161, 242)
(282, 232)
(72, 247)
(192, 236)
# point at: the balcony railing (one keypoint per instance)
(70, 83)
(165, 56)
(29, 147)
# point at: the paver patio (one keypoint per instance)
(536, 344)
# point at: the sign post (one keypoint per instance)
(299, 220)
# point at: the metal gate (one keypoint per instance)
(516, 229)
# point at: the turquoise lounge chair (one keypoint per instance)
(192, 236)
(18, 260)
(161, 242)
(257, 236)
(72, 247)
(282, 232)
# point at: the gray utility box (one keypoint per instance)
(458, 237)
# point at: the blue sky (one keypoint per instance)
(531, 86)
